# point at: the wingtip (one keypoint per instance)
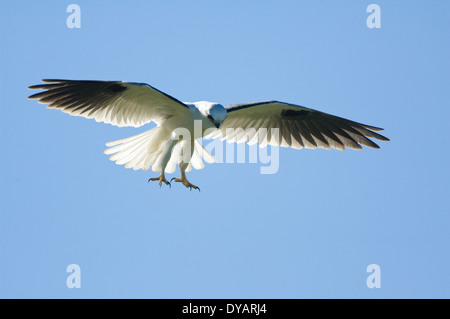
(34, 87)
(373, 128)
(382, 138)
(32, 97)
(52, 80)
(35, 96)
(41, 86)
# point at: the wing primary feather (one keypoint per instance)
(296, 136)
(345, 138)
(316, 134)
(327, 132)
(357, 135)
(285, 131)
(308, 140)
(369, 133)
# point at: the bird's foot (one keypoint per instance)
(185, 182)
(161, 179)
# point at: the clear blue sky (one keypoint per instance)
(308, 231)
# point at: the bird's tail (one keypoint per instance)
(139, 151)
(145, 150)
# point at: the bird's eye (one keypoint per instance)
(211, 118)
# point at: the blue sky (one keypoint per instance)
(308, 231)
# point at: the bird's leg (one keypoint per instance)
(161, 179)
(185, 182)
(183, 178)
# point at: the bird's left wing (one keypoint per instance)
(114, 102)
(298, 127)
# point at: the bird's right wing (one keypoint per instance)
(297, 126)
(114, 102)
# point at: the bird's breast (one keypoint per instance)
(196, 124)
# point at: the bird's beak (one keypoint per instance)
(217, 124)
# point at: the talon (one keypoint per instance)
(161, 179)
(185, 182)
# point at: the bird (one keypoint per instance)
(163, 147)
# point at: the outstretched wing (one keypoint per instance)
(114, 102)
(298, 127)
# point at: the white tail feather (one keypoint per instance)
(145, 151)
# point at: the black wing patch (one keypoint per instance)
(294, 115)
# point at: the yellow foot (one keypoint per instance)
(161, 179)
(185, 182)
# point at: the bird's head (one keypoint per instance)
(215, 112)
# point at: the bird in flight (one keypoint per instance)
(162, 149)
